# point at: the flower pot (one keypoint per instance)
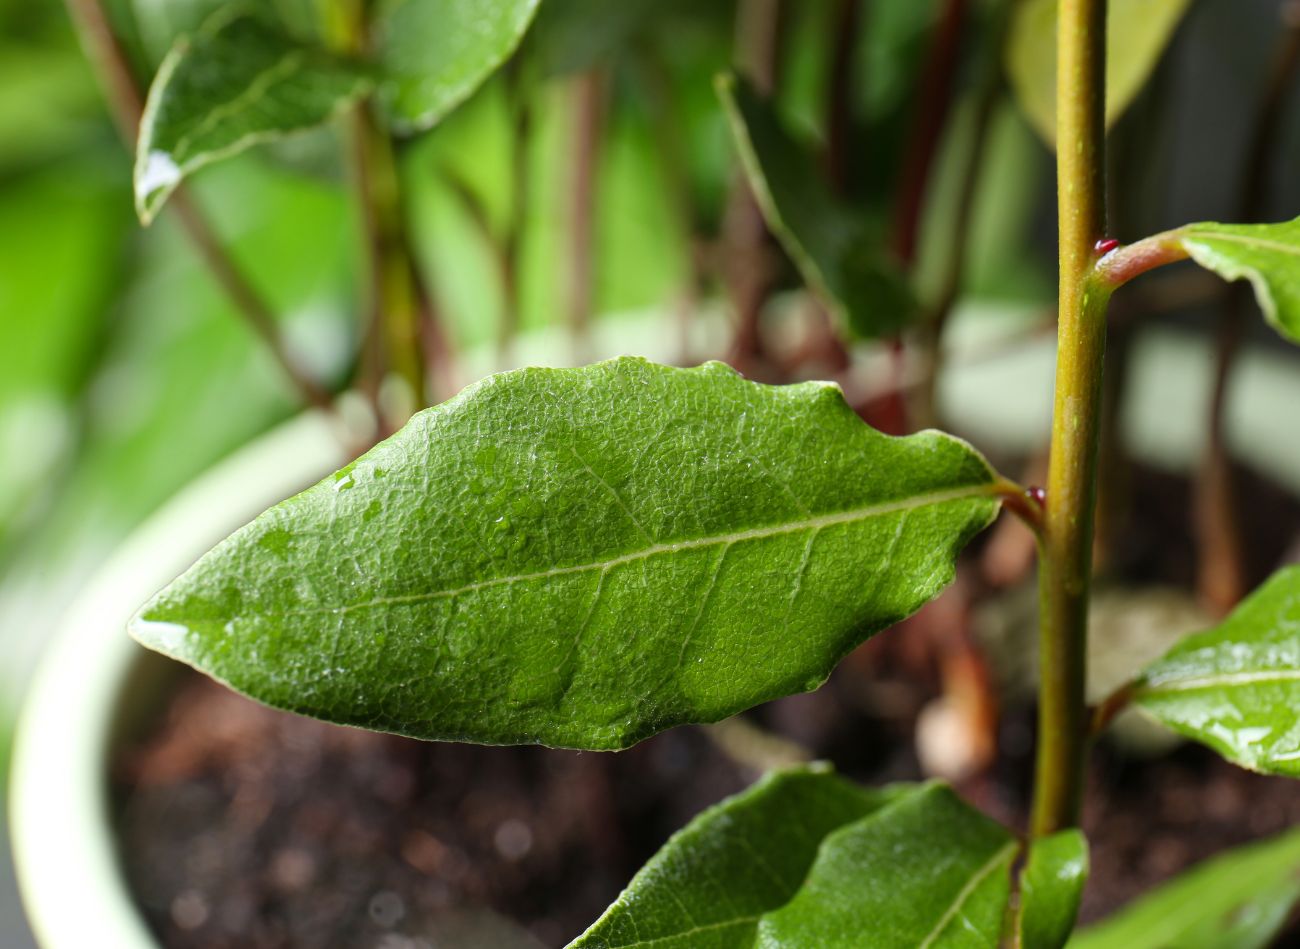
(95, 686)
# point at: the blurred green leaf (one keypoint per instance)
(1051, 886)
(160, 23)
(924, 870)
(1268, 255)
(1236, 687)
(748, 855)
(435, 53)
(837, 254)
(236, 82)
(1137, 33)
(1239, 900)
(575, 35)
(581, 597)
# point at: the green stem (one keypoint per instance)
(1065, 548)
(395, 297)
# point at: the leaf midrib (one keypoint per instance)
(1247, 240)
(1002, 856)
(1224, 680)
(817, 523)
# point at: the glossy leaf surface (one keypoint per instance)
(925, 871)
(713, 880)
(435, 53)
(1268, 255)
(1236, 687)
(837, 254)
(236, 82)
(1236, 901)
(806, 859)
(1051, 886)
(1137, 33)
(582, 558)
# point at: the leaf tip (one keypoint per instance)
(156, 177)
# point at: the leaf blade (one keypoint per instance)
(839, 258)
(738, 859)
(924, 872)
(1267, 255)
(1051, 888)
(436, 53)
(1236, 686)
(1137, 33)
(236, 82)
(595, 555)
(1238, 900)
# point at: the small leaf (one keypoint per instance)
(1137, 32)
(736, 861)
(435, 53)
(1236, 687)
(582, 558)
(834, 248)
(1238, 900)
(923, 872)
(235, 83)
(1268, 255)
(1051, 886)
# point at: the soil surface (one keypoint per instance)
(248, 828)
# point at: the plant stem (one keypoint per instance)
(126, 103)
(588, 113)
(747, 267)
(1065, 550)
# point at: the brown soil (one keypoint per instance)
(248, 828)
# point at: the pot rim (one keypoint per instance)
(64, 847)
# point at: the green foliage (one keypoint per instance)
(1239, 900)
(237, 82)
(1268, 255)
(806, 859)
(582, 558)
(1236, 687)
(713, 880)
(924, 871)
(1137, 33)
(838, 252)
(1051, 886)
(435, 53)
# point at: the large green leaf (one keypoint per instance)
(746, 856)
(1051, 886)
(1137, 33)
(1236, 687)
(1236, 901)
(805, 859)
(234, 83)
(582, 558)
(835, 249)
(435, 53)
(1268, 255)
(924, 872)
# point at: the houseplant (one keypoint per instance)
(609, 448)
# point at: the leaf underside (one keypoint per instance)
(1267, 255)
(835, 250)
(1236, 687)
(581, 558)
(236, 82)
(1238, 900)
(806, 859)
